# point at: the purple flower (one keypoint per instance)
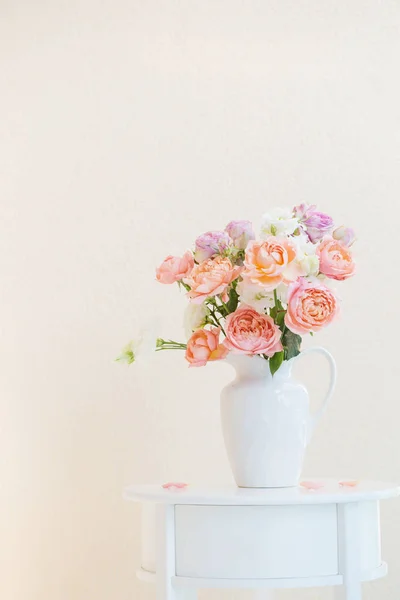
(241, 232)
(345, 235)
(317, 224)
(211, 243)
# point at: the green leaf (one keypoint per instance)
(278, 313)
(233, 300)
(280, 318)
(291, 343)
(275, 362)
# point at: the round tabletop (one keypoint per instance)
(329, 491)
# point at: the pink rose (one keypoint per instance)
(210, 244)
(317, 223)
(335, 259)
(175, 268)
(345, 235)
(211, 278)
(204, 346)
(241, 232)
(249, 332)
(271, 262)
(311, 306)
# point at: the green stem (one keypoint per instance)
(181, 347)
(217, 320)
(169, 345)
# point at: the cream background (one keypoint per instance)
(126, 129)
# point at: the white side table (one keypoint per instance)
(261, 539)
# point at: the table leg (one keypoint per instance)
(165, 557)
(349, 552)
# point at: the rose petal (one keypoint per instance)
(350, 484)
(174, 485)
(312, 485)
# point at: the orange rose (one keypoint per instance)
(204, 346)
(271, 262)
(211, 277)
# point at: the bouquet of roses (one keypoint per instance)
(257, 296)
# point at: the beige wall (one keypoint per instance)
(126, 129)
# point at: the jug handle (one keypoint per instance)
(314, 419)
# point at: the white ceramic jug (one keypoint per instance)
(266, 421)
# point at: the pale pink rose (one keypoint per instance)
(175, 268)
(211, 278)
(311, 306)
(271, 262)
(317, 224)
(335, 259)
(249, 332)
(345, 235)
(210, 244)
(204, 346)
(241, 232)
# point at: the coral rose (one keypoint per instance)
(210, 278)
(175, 268)
(249, 332)
(204, 346)
(335, 259)
(311, 306)
(271, 262)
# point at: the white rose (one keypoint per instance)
(279, 221)
(255, 295)
(306, 255)
(194, 317)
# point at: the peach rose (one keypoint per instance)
(210, 278)
(311, 306)
(249, 332)
(204, 346)
(271, 262)
(175, 268)
(335, 259)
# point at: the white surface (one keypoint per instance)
(232, 495)
(266, 421)
(256, 542)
